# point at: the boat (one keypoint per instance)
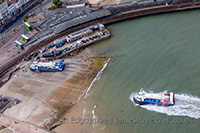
(161, 98)
(43, 66)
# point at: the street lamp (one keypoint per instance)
(1, 37)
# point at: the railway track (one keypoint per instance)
(105, 20)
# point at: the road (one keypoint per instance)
(39, 8)
(8, 49)
(19, 22)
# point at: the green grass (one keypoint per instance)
(2, 127)
(99, 63)
(54, 8)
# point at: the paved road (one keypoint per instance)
(19, 22)
(9, 44)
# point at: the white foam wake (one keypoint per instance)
(94, 116)
(185, 105)
(98, 76)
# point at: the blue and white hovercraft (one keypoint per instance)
(161, 98)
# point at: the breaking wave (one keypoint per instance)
(186, 105)
(98, 76)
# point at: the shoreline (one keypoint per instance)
(99, 70)
(75, 105)
(75, 111)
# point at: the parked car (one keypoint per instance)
(83, 41)
(109, 6)
(74, 44)
(77, 44)
(91, 38)
(35, 54)
(134, 3)
(95, 36)
(67, 49)
(102, 34)
(42, 50)
(98, 36)
(28, 58)
(101, 7)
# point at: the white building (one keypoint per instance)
(12, 9)
(7, 11)
(26, 1)
(19, 4)
(3, 10)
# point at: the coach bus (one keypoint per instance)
(24, 38)
(19, 45)
(28, 27)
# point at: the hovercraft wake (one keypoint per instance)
(186, 105)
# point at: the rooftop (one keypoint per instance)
(1, 1)
(70, 3)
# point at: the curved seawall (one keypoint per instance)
(118, 14)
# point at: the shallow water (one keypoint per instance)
(156, 53)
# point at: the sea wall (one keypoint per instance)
(119, 14)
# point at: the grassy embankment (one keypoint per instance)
(2, 127)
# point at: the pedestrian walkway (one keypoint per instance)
(13, 126)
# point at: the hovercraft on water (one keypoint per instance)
(162, 98)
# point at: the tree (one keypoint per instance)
(57, 3)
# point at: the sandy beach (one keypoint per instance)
(70, 122)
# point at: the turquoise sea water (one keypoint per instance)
(157, 53)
